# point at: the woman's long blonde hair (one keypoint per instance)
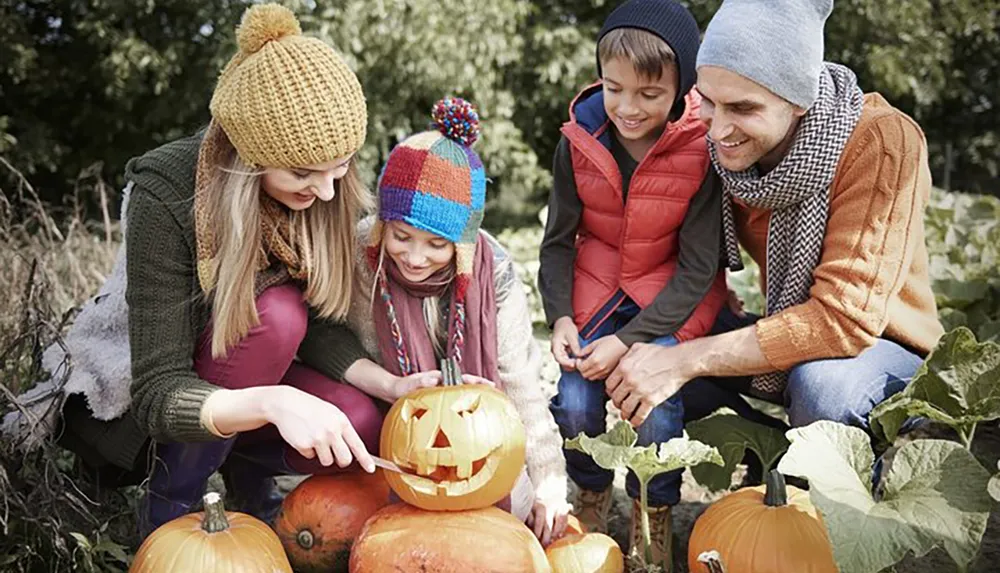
(325, 231)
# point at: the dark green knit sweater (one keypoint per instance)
(167, 313)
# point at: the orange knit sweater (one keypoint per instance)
(872, 279)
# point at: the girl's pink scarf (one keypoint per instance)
(473, 296)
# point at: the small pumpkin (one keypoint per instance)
(770, 528)
(323, 515)
(406, 538)
(212, 540)
(585, 553)
(462, 445)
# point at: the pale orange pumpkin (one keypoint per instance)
(766, 529)
(212, 540)
(585, 553)
(405, 538)
(462, 446)
(573, 525)
(322, 516)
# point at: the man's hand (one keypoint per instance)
(600, 357)
(565, 340)
(645, 377)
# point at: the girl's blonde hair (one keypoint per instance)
(325, 233)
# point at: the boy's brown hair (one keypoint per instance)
(646, 51)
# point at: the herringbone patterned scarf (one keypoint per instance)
(797, 192)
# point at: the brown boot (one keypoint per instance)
(592, 508)
(660, 534)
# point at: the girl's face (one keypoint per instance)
(418, 253)
(298, 188)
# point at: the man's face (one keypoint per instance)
(748, 123)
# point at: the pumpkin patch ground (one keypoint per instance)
(695, 499)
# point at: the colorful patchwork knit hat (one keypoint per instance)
(434, 181)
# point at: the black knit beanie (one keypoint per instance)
(670, 22)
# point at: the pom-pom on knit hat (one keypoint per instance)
(434, 181)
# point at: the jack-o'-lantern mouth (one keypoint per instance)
(451, 479)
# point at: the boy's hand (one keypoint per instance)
(600, 357)
(565, 340)
(735, 304)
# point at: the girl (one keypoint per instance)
(239, 251)
(435, 285)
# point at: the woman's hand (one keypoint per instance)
(317, 429)
(314, 427)
(548, 520)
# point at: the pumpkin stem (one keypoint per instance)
(712, 561)
(214, 520)
(775, 494)
(451, 374)
(305, 539)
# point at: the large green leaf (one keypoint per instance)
(955, 293)
(994, 485)
(934, 494)
(616, 449)
(733, 435)
(958, 385)
(675, 454)
(612, 449)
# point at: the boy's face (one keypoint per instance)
(638, 106)
(748, 123)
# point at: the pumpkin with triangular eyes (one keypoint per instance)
(461, 446)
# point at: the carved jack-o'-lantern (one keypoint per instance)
(462, 445)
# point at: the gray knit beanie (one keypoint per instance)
(776, 43)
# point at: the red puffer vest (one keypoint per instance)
(630, 247)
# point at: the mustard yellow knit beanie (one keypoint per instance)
(287, 100)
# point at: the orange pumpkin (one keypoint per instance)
(321, 517)
(462, 446)
(573, 525)
(405, 538)
(770, 528)
(585, 553)
(212, 540)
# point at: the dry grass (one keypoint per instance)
(52, 259)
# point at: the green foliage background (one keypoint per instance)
(97, 81)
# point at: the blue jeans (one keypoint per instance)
(579, 406)
(843, 390)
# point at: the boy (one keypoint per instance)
(631, 248)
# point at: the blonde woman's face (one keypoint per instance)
(418, 253)
(299, 187)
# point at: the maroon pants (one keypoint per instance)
(266, 357)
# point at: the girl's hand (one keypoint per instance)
(565, 340)
(401, 386)
(548, 520)
(600, 357)
(317, 429)
(472, 379)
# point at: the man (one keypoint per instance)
(825, 187)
